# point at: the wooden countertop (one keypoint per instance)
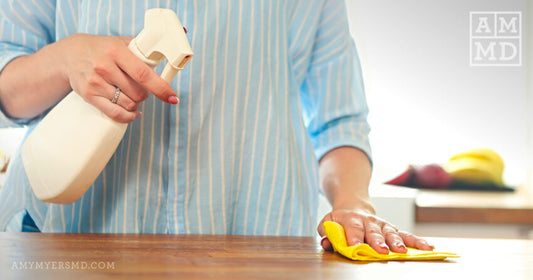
(456, 206)
(135, 256)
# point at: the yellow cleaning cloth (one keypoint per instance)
(363, 252)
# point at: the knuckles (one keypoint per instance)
(373, 231)
(372, 219)
(101, 69)
(356, 226)
(114, 48)
(131, 106)
(115, 113)
(93, 82)
(142, 75)
(138, 95)
(90, 91)
(363, 217)
(129, 118)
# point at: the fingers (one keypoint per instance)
(99, 93)
(96, 65)
(145, 76)
(114, 76)
(374, 236)
(354, 229)
(125, 101)
(379, 234)
(324, 242)
(414, 241)
(394, 240)
(114, 111)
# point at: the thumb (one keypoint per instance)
(324, 242)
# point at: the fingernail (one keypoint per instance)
(138, 114)
(173, 99)
(398, 244)
(400, 247)
(384, 247)
(322, 241)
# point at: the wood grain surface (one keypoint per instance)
(136, 256)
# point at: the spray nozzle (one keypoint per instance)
(163, 36)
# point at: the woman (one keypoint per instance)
(272, 109)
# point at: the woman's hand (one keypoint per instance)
(345, 176)
(95, 66)
(362, 226)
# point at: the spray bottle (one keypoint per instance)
(70, 147)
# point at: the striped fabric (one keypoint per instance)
(273, 86)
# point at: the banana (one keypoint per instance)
(481, 166)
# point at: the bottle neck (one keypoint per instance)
(150, 62)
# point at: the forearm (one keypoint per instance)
(344, 177)
(31, 84)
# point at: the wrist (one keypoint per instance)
(62, 52)
(355, 204)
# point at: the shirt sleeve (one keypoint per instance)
(25, 27)
(333, 95)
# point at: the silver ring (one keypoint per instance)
(115, 97)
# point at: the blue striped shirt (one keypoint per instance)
(273, 86)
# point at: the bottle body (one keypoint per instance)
(66, 152)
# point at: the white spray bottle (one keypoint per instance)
(70, 147)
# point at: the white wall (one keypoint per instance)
(529, 60)
(427, 103)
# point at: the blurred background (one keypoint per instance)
(427, 103)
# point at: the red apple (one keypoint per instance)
(403, 179)
(431, 176)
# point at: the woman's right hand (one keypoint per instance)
(94, 66)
